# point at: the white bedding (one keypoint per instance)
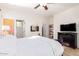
(31, 46)
(7, 45)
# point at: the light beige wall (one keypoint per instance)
(28, 16)
(51, 20)
(0, 19)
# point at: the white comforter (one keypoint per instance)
(32, 46)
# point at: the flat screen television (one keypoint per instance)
(68, 27)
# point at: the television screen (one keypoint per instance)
(68, 27)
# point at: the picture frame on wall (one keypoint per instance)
(34, 28)
(8, 26)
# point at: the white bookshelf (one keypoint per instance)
(51, 31)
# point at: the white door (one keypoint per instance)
(20, 33)
(45, 30)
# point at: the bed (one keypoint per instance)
(31, 46)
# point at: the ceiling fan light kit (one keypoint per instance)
(45, 7)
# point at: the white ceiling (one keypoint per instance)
(52, 8)
(56, 8)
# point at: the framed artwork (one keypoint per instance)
(34, 28)
(8, 26)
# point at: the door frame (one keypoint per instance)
(22, 25)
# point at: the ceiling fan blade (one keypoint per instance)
(37, 6)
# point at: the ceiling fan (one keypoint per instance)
(45, 6)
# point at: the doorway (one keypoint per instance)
(20, 31)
